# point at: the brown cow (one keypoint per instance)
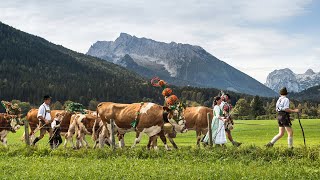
(196, 119)
(150, 120)
(34, 121)
(8, 123)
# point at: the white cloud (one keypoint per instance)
(238, 32)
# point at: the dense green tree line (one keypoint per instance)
(257, 109)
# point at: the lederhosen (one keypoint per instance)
(284, 119)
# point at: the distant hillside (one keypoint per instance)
(180, 64)
(312, 94)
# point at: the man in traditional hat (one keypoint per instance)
(44, 120)
(284, 122)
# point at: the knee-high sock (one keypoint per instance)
(275, 139)
(290, 142)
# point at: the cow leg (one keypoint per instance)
(69, 138)
(32, 134)
(155, 144)
(164, 140)
(23, 136)
(3, 137)
(198, 134)
(78, 141)
(138, 139)
(121, 140)
(85, 141)
(65, 140)
(173, 143)
(151, 141)
(95, 144)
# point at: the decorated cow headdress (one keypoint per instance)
(171, 100)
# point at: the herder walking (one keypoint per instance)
(44, 120)
(226, 107)
(284, 122)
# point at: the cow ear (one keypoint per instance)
(165, 108)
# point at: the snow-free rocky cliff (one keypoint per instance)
(294, 82)
(179, 64)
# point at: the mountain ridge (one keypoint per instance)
(181, 64)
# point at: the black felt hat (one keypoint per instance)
(283, 91)
(47, 97)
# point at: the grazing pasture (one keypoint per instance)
(250, 161)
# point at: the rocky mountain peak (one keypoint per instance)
(309, 72)
(294, 82)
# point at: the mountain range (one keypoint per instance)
(31, 67)
(294, 82)
(180, 64)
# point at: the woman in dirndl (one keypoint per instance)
(217, 125)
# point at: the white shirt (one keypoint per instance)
(54, 123)
(283, 103)
(44, 111)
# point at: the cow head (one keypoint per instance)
(14, 122)
(176, 118)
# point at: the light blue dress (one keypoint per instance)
(217, 128)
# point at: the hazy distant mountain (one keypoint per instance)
(179, 64)
(294, 82)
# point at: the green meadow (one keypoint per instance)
(250, 161)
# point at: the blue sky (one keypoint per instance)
(255, 36)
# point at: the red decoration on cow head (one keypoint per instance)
(167, 92)
(171, 100)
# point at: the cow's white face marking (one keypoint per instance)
(146, 108)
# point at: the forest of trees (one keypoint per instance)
(255, 108)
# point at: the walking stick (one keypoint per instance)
(304, 138)
(52, 135)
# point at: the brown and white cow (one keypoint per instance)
(82, 125)
(33, 121)
(150, 120)
(8, 123)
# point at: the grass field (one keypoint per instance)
(250, 161)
